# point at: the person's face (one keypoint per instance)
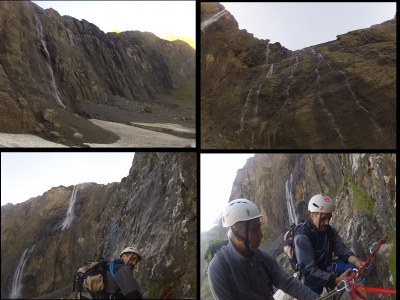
(127, 256)
(325, 219)
(255, 234)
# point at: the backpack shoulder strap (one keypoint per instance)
(260, 258)
(112, 270)
(226, 268)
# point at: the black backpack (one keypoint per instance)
(260, 259)
(88, 283)
(305, 228)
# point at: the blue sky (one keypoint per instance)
(300, 25)
(217, 173)
(25, 175)
(162, 18)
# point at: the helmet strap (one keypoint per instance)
(245, 240)
(319, 223)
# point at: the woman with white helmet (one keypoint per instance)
(314, 245)
(241, 270)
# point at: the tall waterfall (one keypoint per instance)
(211, 20)
(39, 30)
(289, 201)
(71, 37)
(17, 280)
(70, 213)
(267, 52)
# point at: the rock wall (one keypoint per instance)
(364, 189)
(337, 95)
(75, 62)
(153, 208)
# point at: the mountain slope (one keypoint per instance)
(153, 208)
(336, 95)
(57, 62)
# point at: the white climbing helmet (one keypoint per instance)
(239, 210)
(131, 249)
(321, 203)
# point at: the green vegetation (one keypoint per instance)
(207, 254)
(362, 202)
(392, 256)
(157, 290)
(205, 290)
(333, 192)
(186, 94)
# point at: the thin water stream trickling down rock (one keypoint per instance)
(153, 208)
(336, 95)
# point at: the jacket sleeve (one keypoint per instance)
(286, 282)
(306, 263)
(127, 283)
(219, 282)
(339, 247)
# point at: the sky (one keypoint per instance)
(25, 175)
(166, 19)
(217, 173)
(300, 25)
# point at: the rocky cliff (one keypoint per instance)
(153, 208)
(364, 189)
(59, 64)
(337, 95)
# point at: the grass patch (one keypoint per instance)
(392, 256)
(362, 202)
(333, 192)
(158, 290)
(267, 233)
(186, 94)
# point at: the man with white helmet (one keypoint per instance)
(242, 271)
(315, 243)
(119, 280)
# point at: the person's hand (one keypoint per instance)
(359, 263)
(344, 276)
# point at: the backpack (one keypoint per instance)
(322, 256)
(260, 259)
(89, 281)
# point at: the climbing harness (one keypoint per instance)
(352, 287)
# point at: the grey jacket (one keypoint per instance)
(249, 278)
(306, 257)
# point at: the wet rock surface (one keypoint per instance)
(50, 61)
(153, 208)
(335, 95)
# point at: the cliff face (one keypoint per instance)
(364, 189)
(58, 62)
(338, 95)
(362, 185)
(153, 208)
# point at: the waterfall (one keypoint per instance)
(289, 201)
(245, 110)
(258, 91)
(17, 279)
(70, 213)
(71, 37)
(316, 71)
(332, 119)
(295, 65)
(39, 30)
(269, 74)
(267, 52)
(320, 57)
(211, 20)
